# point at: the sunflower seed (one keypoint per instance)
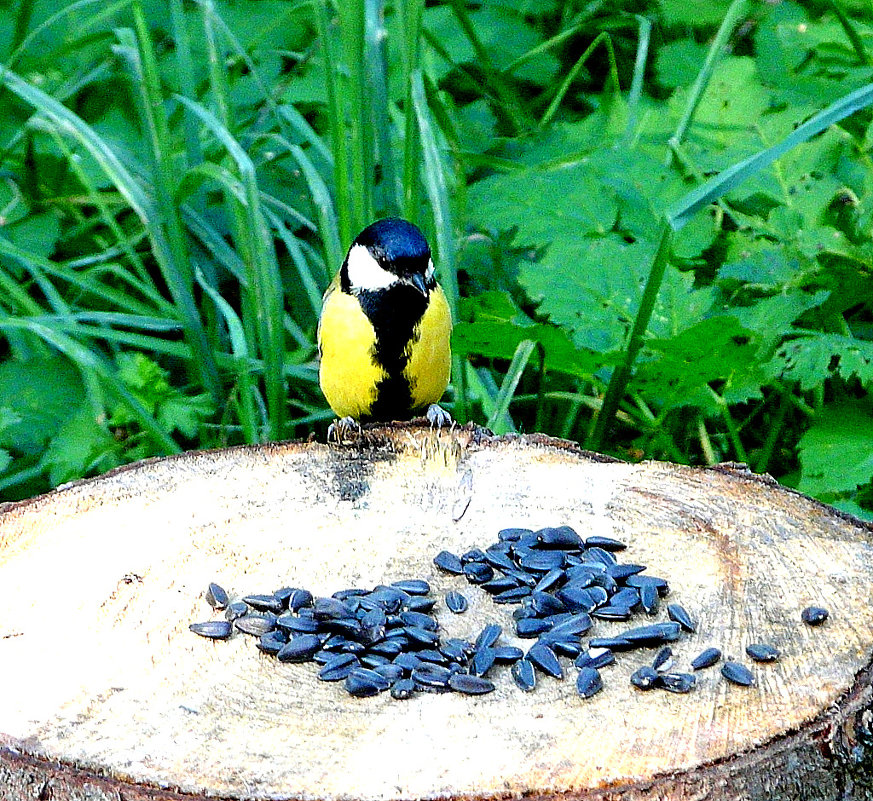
(762, 652)
(706, 658)
(213, 629)
(588, 682)
(814, 615)
(736, 673)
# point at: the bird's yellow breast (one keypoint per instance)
(350, 374)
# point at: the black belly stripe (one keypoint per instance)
(394, 313)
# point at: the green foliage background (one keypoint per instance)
(179, 181)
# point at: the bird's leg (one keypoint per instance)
(438, 417)
(340, 430)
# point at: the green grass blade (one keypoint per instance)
(736, 11)
(187, 78)
(497, 420)
(684, 209)
(636, 90)
(438, 196)
(412, 13)
(851, 32)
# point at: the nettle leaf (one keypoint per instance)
(545, 204)
(836, 453)
(771, 318)
(813, 357)
(679, 370)
(678, 63)
(759, 262)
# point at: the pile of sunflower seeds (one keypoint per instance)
(387, 639)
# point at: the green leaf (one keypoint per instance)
(697, 13)
(678, 371)
(80, 446)
(678, 63)
(836, 453)
(813, 357)
(184, 413)
(36, 397)
(5, 459)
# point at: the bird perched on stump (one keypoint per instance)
(385, 329)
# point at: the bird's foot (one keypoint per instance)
(342, 430)
(438, 417)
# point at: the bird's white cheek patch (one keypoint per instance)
(364, 271)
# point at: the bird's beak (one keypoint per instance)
(417, 280)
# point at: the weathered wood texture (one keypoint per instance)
(107, 695)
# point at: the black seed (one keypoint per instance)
(512, 596)
(677, 613)
(531, 627)
(649, 598)
(588, 682)
(264, 603)
(644, 678)
(551, 580)
(512, 534)
(470, 685)
(507, 654)
(598, 554)
(561, 537)
(612, 613)
(523, 675)
(545, 604)
(663, 660)
(543, 657)
(388, 598)
(430, 675)
(606, 543)
(564, 647)
(736, 673)
(482, 661)
(499, 559)
(403, 689)
(623, 571)
(216, 597)
(654, 634)
(542, 561)
(235, 610)
(300, 599)
(456, 650)
(706, 658)
(331, 609)
(338, 667)
(576, 624)
(626, 596)
(432, 655)
(363, 683)
(407, 661)
(478, 572)
(488, 636)
(500, 584)
(390, 671)
(213, 629)
(523, 577)
(283, 596)
(300, 649)
(412, 586)
(576, 599)
(640, 581)
(350, 593)
(300, 625)
(598, 595)
(456, 602)
(761, 652)
(421, 603)
(421, 620)
(425, 637)
(255, 624)
(271, 642)
(473, 555)
(448, 562)
(595, 658)
(676, 682)
(814, 615)
(372, 660)
(612, 643)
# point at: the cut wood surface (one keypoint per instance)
(107, 694)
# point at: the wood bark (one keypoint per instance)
(107, 695)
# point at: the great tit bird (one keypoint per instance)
(385, 329)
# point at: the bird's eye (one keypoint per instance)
(428, 273)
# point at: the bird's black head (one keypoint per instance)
(388, 252)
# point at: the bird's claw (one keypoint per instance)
(341, 430)
(438, 417)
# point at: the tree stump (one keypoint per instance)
(108, 695)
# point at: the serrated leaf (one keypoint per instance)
(679, 370)
(772, 317)
(184, 413)
(758, 261)
(836, 453)
(814, 357)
